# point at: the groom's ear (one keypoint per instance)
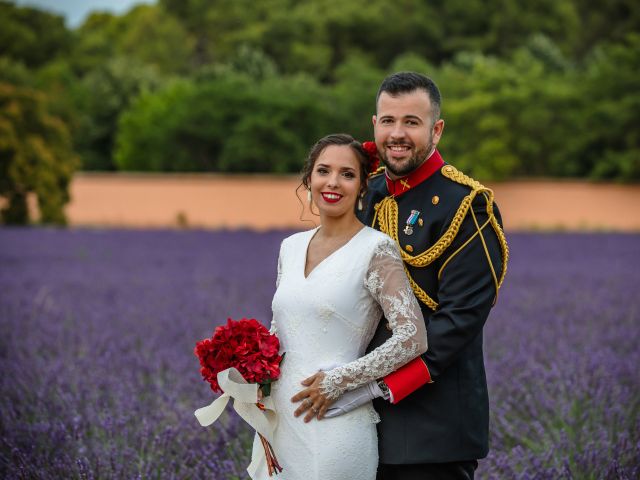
(373, 120)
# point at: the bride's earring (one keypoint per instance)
(309, 196)
(360, 203)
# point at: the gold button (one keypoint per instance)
(409, 248)
(420, 222)
(435, 199)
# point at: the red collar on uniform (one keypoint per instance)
(424, 171)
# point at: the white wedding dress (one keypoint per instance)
(325, 322)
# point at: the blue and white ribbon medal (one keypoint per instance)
(411, 221)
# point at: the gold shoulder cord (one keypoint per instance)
(387, 217)
(377, 171)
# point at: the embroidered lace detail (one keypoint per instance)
(325, 314)
(388, 284)
(373, 415)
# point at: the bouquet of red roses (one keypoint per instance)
(238, 356)
(245, 345)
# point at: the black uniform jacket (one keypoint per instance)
(447, 420)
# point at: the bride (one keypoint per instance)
(334, 283)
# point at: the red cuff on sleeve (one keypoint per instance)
(407, 379)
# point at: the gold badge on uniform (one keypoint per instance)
(411, 221)
(435, 199)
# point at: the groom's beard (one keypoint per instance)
(409, 165)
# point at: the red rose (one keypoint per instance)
(372, 151)
(245, 345)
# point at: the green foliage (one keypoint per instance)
(220, 27)
(506, 117)
(315, 36)
(357, 83)
(35, 156)
(104, 94)
(62, 87)
(603, 21)
(94, 42)
(151, 36)
(610, 113)
(251, 62)
(146, 34)
(14, 72)
(31, 36)
(227, 123)
(547, 88)
(149, 134)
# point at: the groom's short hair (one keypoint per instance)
(407, 82)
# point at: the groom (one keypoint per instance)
(435, 421)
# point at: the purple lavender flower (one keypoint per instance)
(98, 377)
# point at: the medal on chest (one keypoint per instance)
(411, 221)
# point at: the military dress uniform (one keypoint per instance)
(450, 235)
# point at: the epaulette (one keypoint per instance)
(387, 216)
(452, 173)
(455, 175)
(376, 172)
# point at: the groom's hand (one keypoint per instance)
(354, 399)
(314, 402)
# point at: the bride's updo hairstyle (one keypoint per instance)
(337, 139)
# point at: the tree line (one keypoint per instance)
(547, 88)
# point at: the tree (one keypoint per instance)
(36, 156)
(610, 141)
(14, 72)
(146, 34)
(32, 36)
(357, 82)
(603, 21)
(228, 122)
(153, 37)
(507, 117)
(94, 42)
(108, 91)
(287, 116)
(220, 27)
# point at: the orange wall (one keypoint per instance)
(263, 202)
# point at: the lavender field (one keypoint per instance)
(98, 379)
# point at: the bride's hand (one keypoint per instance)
(314, 402)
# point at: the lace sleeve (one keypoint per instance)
(388, 284)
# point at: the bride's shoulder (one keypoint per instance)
(380, 242)
(376, 237)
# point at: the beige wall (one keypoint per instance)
(263, 202)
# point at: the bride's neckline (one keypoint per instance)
(306, 274)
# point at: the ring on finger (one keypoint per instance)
(315, 410)
(306, 402)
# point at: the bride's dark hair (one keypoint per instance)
(338, 139)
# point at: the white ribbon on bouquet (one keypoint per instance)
(245, 397)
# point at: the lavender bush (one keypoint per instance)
(98, 377)
(562, 360)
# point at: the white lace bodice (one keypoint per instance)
(326, 320)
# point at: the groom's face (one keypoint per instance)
(404, 131)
